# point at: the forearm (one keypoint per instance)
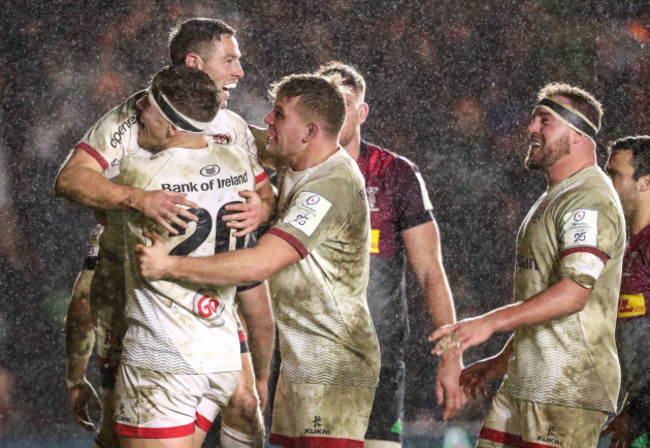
(501, 359)
(87, 187)
(230, 268)
(426, 261)
(79, 330)
(438, 299)
(562, 299)
(255, 308)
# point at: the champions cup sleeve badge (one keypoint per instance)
(209, 308)
(307, 212)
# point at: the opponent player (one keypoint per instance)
(402, 224)
(209, 45)
(629, 168)
(562, 369)
(317, 256)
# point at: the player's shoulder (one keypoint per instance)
(590, 191)
(383, 159)
(231, 117)
(228, 128)
(590, 186)
(120, 120)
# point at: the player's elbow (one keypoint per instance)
(62, 183)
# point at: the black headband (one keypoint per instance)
(571, 118)
(173, 117)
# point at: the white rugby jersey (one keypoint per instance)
(175, 326)
(114, 138)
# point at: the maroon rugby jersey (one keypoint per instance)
(635, 282)
(398, 200)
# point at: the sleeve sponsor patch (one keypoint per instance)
(580, 229)
(307, 212)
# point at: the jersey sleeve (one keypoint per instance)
(113, 136)
(246, 140)
(316, 212)
(587, 230)
(411, 199)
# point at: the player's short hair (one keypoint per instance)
(579, 99)
(640, 147)
(350, 76)
(320, 99)
(195, 36)
(190, 90)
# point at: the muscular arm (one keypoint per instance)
(80, 180)
(255, 308)
(240, 267)
(422, 245)
(561, 299)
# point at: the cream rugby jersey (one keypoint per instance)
(570, 361)
(326, 332)
(114, 138)
(176, 326)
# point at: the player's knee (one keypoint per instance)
(244, 403)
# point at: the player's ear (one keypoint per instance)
(193, 60)
(644, 183)
(313, 129)
(171, 131)
(363, 112)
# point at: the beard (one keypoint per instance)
(544, 156)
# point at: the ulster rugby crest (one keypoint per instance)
(222, 139)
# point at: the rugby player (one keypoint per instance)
(317, 257)
(209, 45)
(629, 168)
(561, 364)
(181, 356)
(402, 225)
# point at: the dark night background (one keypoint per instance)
(451, 85)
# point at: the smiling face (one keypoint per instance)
(222, 64)
(620, 168)
(549, 140)
(286, 128)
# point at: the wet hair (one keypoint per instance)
(640, 147)
(350, 76)
(579, 99)
(320, 99)
(190, 90)
(195, 36)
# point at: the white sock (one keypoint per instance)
(231, 438)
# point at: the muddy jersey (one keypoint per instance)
(326, 332)
(398, 200)
(110, 141)
(114, 139)
(575, 227)
(175, 326)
